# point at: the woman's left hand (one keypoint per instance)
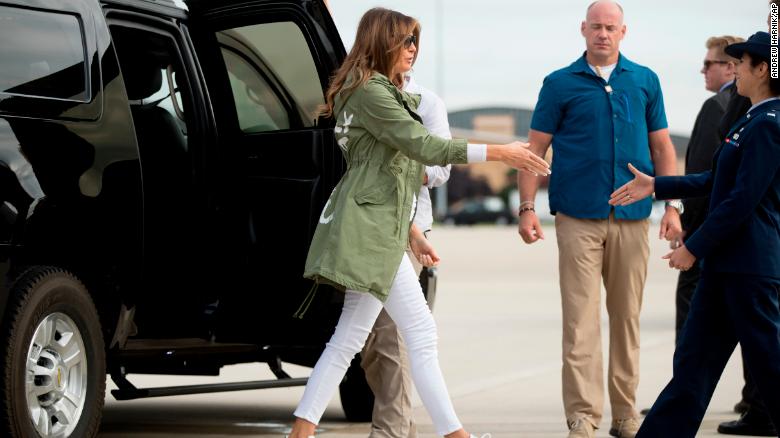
(680, 258)
(423, 251)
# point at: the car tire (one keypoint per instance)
(357, 399)
(502, 220)
(51, 330)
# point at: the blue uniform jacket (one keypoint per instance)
(741, 233)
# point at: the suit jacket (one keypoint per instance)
(705, 140)
(741, 233)
(736, 108)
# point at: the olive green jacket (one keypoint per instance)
(364, 227)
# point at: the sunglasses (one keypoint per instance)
(408, 41)
(709, 62)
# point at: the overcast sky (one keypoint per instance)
(497, 52)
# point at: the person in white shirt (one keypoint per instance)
(434, 116)
(384, 358)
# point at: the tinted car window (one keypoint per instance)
(273, 76)
(258, 106)
(42, 54)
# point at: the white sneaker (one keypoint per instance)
(487, 435)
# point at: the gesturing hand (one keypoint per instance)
(521, 158)
(637, 189)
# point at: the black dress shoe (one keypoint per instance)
(741, 407)
(749, 424)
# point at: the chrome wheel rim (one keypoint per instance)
(56, 376)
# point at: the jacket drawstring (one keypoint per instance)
(304, 307)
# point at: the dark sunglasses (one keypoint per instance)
(411, 39)
(708, 63)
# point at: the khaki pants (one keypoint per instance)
(589, 250)
(386, 364)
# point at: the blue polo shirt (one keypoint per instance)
(598, 128)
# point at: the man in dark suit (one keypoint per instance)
(718, 71)
(736, 107)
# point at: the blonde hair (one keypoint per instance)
(378, 43)
(720, 43)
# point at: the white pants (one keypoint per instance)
(406, 306)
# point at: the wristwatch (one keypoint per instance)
(676, 204)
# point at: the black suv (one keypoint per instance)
(162, 169)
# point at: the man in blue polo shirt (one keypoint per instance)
(601, 113)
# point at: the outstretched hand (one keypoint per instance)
(637, 189)
(519, 156)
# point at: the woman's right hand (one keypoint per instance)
(637, 189)
(518, 155)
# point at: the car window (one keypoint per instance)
(258, 106)
(164, 98)
(273, 76)
(42, 54)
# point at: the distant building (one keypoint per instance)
(503, 125)
(517, 121)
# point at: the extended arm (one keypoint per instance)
(387, 120)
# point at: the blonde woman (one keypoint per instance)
(366, 225)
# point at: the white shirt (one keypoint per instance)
(606, 71)
(434, 117)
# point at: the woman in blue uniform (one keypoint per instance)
(739, 248)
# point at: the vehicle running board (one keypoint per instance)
(136, 393)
